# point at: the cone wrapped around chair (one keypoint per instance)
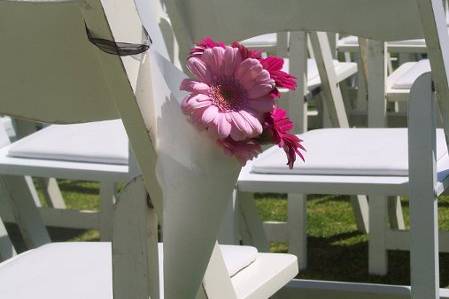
(197, 179)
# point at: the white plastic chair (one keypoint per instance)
(144, 91)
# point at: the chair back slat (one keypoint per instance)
(437, 41)
(49, 71)
(238, 20)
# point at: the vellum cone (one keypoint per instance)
(197, 180)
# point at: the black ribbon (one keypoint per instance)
(119, 48)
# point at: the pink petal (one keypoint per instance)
(265, 104)
(198, 68)
(209, 114)
(190, 85)
(242, 126)
(261, 85)
(272, 63)
(195, 101)
(253, 122)
(233, 59)
(248, 71)
(223, 126)
(256, 81)
(213, 58)
(236, 134)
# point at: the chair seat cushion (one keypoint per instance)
(343, 70)
(352, 40)
(413, 70)
(81, 270)
(348, 152)
(96, 142)
(261, 41)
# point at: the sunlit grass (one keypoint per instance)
(337, 251)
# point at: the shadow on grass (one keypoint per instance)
(56, 235)
(81, 187)
(329, 260)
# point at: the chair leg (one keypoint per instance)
(107, 192)
(51, 192)
(377, 253)
(25, 211)
(6, 247)
(395, 213)
(251, 226)
(228, 234)
(360, 208)
(33, 191)
(424, 251)
(424, 247)
(297, 224)
(135, 256)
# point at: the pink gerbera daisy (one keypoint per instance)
(229, 95)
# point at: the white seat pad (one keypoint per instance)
(237, 258)
(96, 142)
(260, 41)
(352, 40)
(348, 152)
(349, 40)
(343, 70)
(406, 79)
(80, 270)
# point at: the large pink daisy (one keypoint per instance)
(229, 95)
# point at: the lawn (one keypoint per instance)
(336, 250)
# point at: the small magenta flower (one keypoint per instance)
(273, 65)
(229, 96)
(204, 44)
(277, 126)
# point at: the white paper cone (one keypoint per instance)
(197, 180)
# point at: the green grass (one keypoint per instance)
(337, 251)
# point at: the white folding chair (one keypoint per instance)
(90, 151)
(330, 100)
(360, 18)
(293, 46)
(336, 111)
(143, 90)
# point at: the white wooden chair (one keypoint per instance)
(90, 151)
(399, 83)
(294, 46)
(144, 91)
(330, 101)
(422, 181)
(336, 111)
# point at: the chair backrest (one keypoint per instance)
(400, 20)
(231, 20)
(48, 68)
